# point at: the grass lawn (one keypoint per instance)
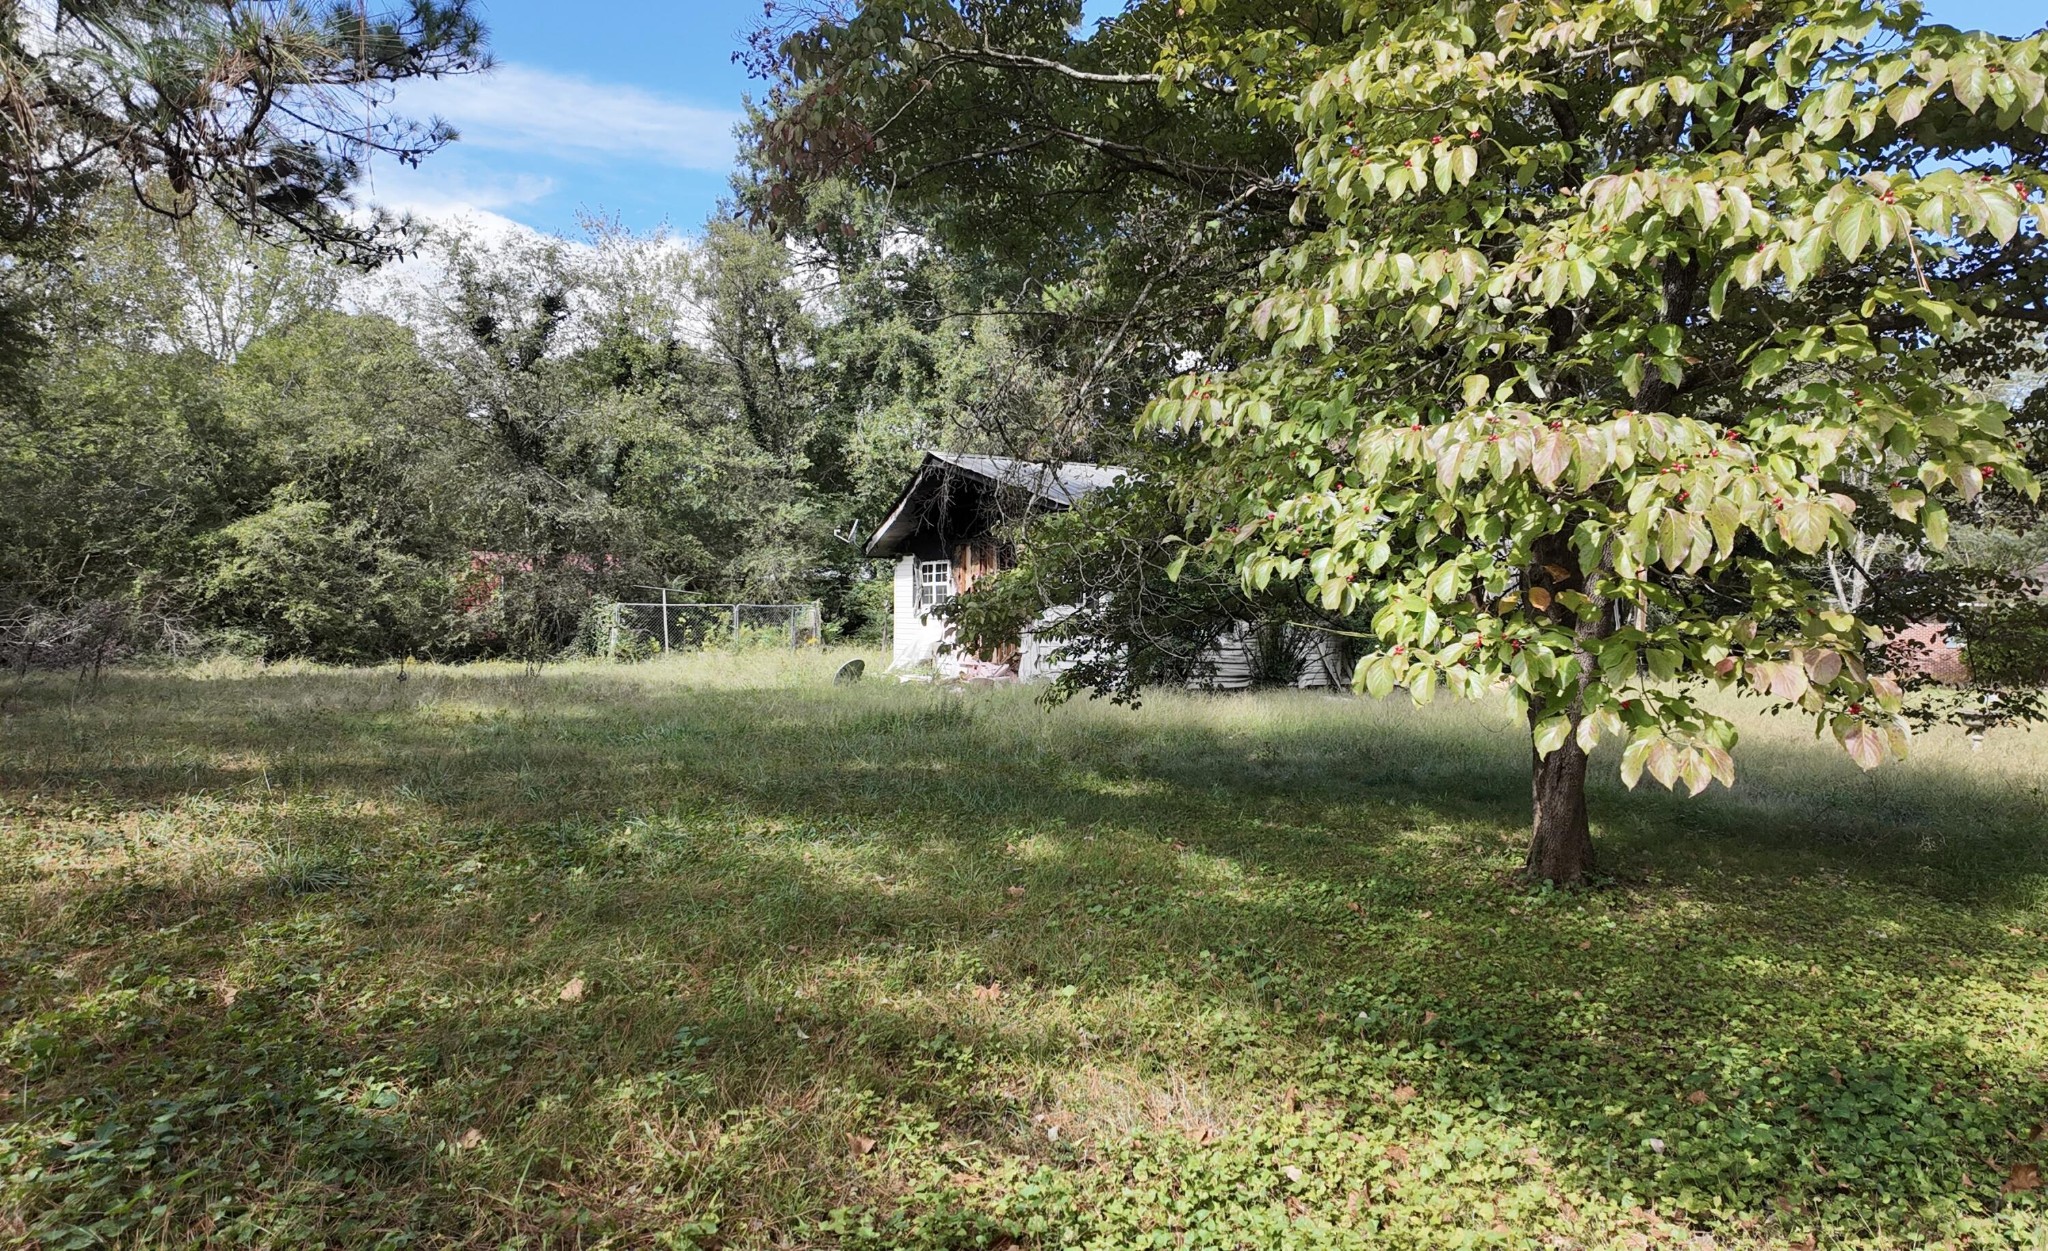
(710, 953)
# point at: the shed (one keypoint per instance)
(950, 527)
(954, 524)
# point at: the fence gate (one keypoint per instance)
(673, 625)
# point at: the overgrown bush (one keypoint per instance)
(312, 584)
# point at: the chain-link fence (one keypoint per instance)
(669, 625)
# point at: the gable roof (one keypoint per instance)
(1056, 485)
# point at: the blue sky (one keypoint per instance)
(626, 107)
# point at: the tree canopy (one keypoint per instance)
(262, 110)
(1615, 318)
(1607, 351)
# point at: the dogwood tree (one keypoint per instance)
(1610, 319)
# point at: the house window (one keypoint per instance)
(934, 583)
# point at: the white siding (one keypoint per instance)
(1229, 665)
(916, 637)
(1034, 654)
(1322, 663)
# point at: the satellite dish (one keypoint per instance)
(849, 673)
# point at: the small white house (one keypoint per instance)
(944, 533)
(947, 530)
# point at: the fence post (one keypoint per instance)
(664, 620)
(735, 627)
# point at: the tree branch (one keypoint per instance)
(986, 55)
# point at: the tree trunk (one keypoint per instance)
(1561, 842)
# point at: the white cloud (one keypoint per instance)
(432, 192)
(518, 108)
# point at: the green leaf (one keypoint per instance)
(1553, 456)
(1551, 732)
(1767, 362)
(1379, 677)
(1934, 523)
(2001, 216)
(1632, 372)
(1865, 746)
(1725, 518)
(1717, 296)
(1905, 105)
(1852, 227)
(1968, 79)
(1664, 762)
(1633, 758)
(1805, 524)
(1584, 277)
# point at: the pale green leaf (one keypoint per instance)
(1551, 733)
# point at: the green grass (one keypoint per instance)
(283, 960)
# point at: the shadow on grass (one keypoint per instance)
(471, 747)
(990, 944)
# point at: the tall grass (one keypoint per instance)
(710, 952)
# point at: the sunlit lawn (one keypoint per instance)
(712, 953)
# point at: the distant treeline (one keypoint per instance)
(217, 442)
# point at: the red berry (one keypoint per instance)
(1855, 710)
